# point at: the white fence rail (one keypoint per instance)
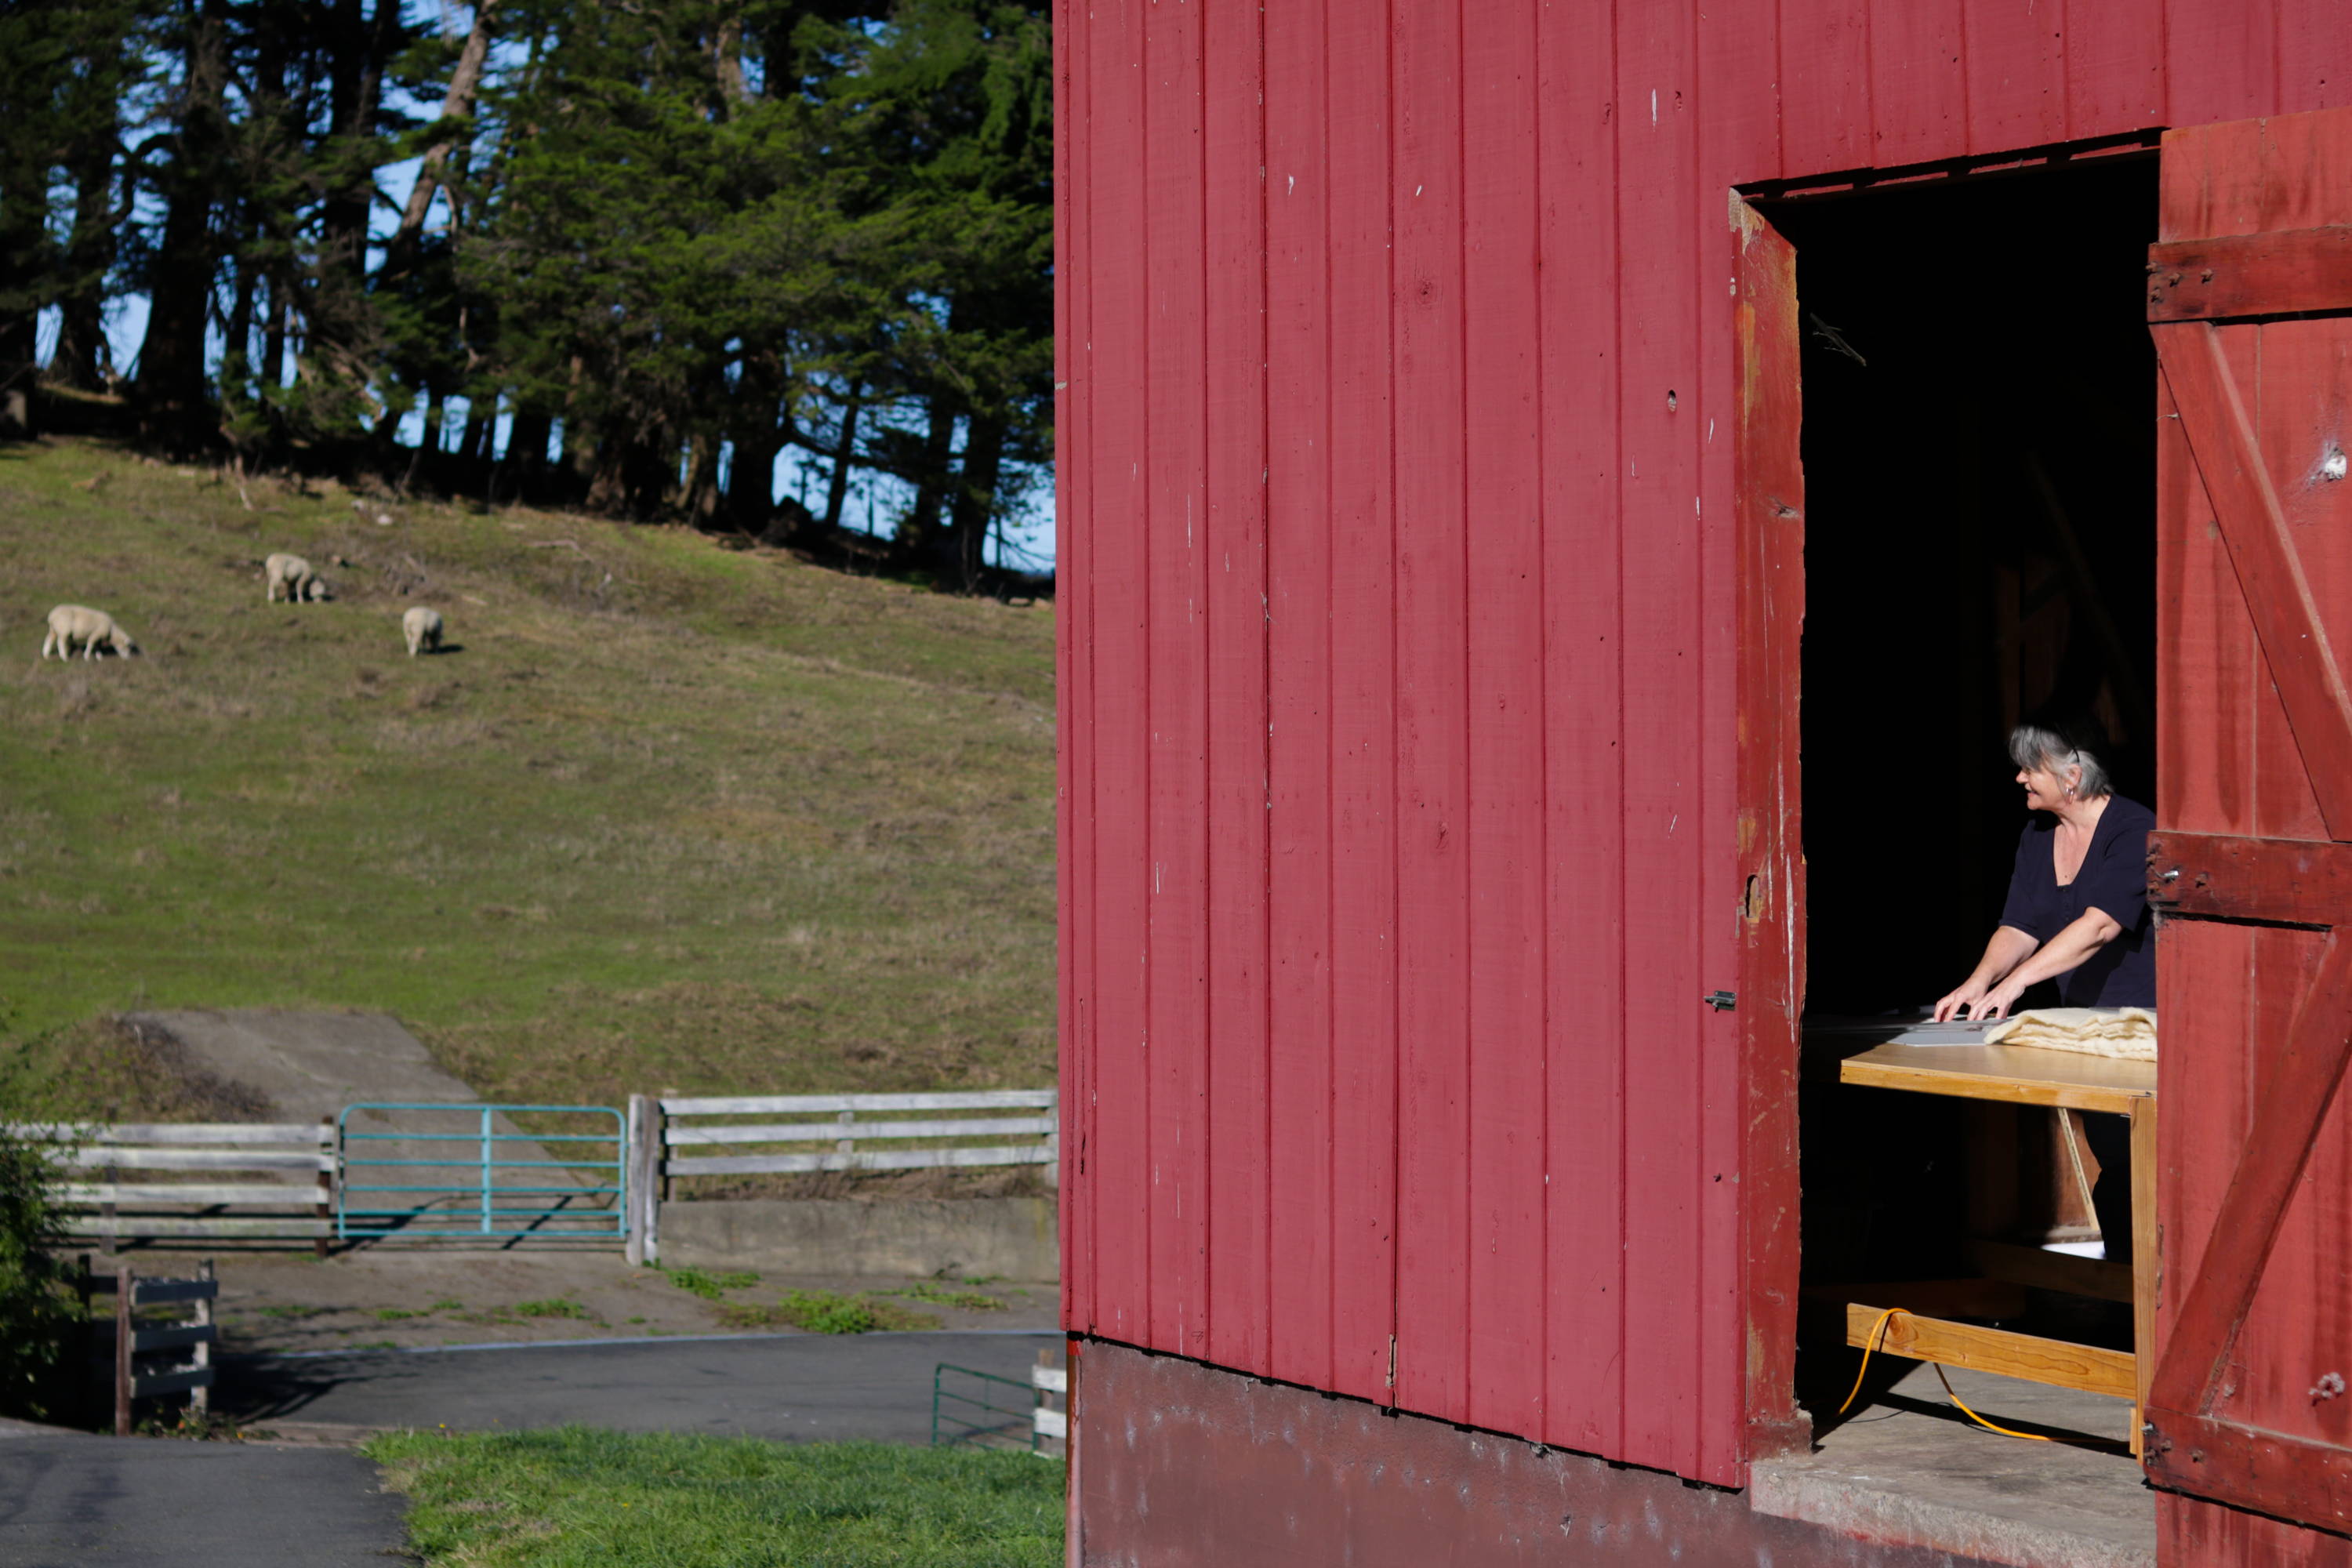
(660, 1128)
(298, 1158)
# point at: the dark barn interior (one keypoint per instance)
(1979, 459)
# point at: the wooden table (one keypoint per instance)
(2027, 1075)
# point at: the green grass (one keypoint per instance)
(722, 822)
(825, 1312)
(940, 1296)
(710, 1286)
(571, 1498)
(560, 1307)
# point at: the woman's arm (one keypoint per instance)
(2075, 945)
(2009, 948)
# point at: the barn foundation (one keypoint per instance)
(1177, 1464)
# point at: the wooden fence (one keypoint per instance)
(296, 1160)
(129, 1352)
(911, 1133)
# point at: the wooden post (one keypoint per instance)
(2146, 1260)
(200, 1398)
(106, 1220)
(644, 1178)
(1054, 1143)
(325, 1207)
(125, 1285)
(846, 1144)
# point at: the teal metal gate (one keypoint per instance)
(464, 1172)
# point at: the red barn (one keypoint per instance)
(1464, 407)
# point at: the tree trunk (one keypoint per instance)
(24, 222)
(526, 454)
(237, 340)
(919, 537)
(759, 436)
(273, 336)
(456, 128)
(81, 360)
(975, 498)
(836, 491)
(355, 91)
(172, 359)
(480, 413)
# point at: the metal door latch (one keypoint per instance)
(1721, 1001)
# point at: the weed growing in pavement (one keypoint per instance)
(560, 1307)
(195, 1425)
(446, 1304)
(963, 1301)
(710, 1287)
(825, 1312)
(395, 1314)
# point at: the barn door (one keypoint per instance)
(2250, 301)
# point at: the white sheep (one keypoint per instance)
(71, 624)
(294, 574)
(421, 628)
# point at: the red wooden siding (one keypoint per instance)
(1396, 511)
(2231, 763)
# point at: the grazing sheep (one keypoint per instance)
(421, 628)
(71, 624)
(294, 574)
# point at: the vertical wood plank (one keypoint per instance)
(1578, 124)
(1503, 518)
(2114, 70)
(1763, 397)
(2314, 55)
(1299, 545)
(1747, 1192)
(1118, 525)
(1363, 706)
(1073, 685)
(2017, 72)
(126, 1324)
(1663, 606)
(1919, 71)
(1432, 760)
(200, 1398)
(1235, 603)
(1176, 464)
(2220, 61)
(1826, 98)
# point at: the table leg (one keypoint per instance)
(2145, 1260)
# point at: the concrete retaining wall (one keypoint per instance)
(1006, 1239)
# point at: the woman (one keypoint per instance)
(2077, 907)
(2076, 913)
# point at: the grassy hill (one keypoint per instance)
(668, 816)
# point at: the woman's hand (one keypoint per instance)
(1969, 993)
(1997, 1001)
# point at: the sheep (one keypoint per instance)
(421, 628)
(294, 574)
(71, 624)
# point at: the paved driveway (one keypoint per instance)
(810, 1387)
(68, 1501)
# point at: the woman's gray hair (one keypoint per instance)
(2035, 747)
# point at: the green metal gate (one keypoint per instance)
(465, 1172)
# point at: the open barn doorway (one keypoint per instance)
(1979, 447)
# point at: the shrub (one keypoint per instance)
(38, 1314)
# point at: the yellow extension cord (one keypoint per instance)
(1870, 1344)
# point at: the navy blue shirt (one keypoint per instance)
(2114, 880)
